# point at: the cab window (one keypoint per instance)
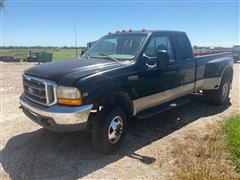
(160, 43)
(185, 48)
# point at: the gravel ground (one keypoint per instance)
(30, 152)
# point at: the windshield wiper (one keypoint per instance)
(107, 55)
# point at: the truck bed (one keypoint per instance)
(209, 70)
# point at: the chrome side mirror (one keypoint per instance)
(150, 62)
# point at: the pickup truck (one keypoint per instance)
(124, 76)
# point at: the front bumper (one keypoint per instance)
(57, 118)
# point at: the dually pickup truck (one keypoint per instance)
(124, 75)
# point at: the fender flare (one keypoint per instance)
(227, 69)
(121, 97)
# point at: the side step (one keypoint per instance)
(162, 108)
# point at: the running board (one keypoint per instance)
(162, 108)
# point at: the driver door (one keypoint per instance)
(155, 85)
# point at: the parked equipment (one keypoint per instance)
(236, 53)
(41, 57)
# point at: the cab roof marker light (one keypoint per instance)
(117, 31)
(130, 30)
(143, 30)
(123, 31)
(110, 33)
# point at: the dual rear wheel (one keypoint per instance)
(221, 95)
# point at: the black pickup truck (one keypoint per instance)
(124, 75)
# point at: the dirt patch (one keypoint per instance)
(30, 152)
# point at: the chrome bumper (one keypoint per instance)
(57, 118)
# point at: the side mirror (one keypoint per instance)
(163, 60)
(150, 62)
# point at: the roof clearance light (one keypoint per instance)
(143, 30)
(117, 31)
(130, 30)
(123, 31)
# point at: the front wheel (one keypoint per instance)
(221, 95)
(109, 129)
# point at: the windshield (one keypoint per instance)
(120, 47)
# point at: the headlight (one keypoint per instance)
(68, 95)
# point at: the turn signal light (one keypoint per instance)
(71, 102)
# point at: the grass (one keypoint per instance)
(62, 54)
(231, 130)
(203, 156)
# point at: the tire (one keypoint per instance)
(108, 129)
(221, 95)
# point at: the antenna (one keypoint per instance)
(75, 38)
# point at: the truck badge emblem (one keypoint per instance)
(85, 94)
(131, 78)
(30, 90)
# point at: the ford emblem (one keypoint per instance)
(30, 90)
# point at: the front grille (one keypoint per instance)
(39, 90)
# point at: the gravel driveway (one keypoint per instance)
(30, 152)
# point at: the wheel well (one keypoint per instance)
(228, 73)
(122, 99)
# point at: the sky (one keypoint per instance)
(51, 23)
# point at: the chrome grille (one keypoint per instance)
(39, 90)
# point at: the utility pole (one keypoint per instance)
(75, 37)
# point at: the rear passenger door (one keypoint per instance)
(187, 62)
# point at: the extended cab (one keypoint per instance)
(124, 75)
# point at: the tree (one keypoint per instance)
(195, 47)
(2, 3)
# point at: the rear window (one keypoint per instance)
(185, 47)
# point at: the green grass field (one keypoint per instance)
(231, 130)
(62, 54)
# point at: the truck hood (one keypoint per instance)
(68, 71)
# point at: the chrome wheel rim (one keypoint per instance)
(115, 129)
(224, 91)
